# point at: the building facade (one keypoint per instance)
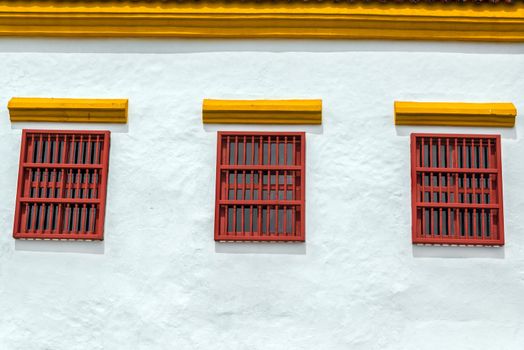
(168, 266)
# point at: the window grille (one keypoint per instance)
(456, 189)
(260, 190)
(62, 185)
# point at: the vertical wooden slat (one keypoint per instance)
(419, 153)
(268, 223)
(252, 195)
(40, 219)
(47, 158)
(92, 218)
(32, 228)
(431, 189)
(39, 155)
(80, 159)
(439, 164)
(244, 185)
(277, 150)
(490, 189)
(242, 223)
(456, 180)
(89, 150)
(269, 150)
(234, 219)
(500, 203)
(245, 151)
(294, 186)
(223, 178)
(235, 152)
(98, 150)
(67, 218)
(259, 224)
(24, 183)
(465, 165)
(285, 193)
(59, 226)
(252, 149)
(72, 150)
(448, 184)
(302, 184)
(51, 218)
(285, 151)
(83, 218)
(260, 189)
(78, 183)
(104, 156)
(482, 187)
(261, 152)
(249, 223)
(75, 219)
(227, 160)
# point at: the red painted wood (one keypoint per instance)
(253, 177)
(62, 183)
(459, 205)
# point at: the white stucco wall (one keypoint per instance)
(159, 281)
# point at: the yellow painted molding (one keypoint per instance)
(262, 111)
(455, 114)
(264, 19)
(68, 110)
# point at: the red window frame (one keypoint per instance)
(260, 186)
(62, 182)
(456, 186)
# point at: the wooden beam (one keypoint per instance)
(68, 110)
(455, 114)
(262, 112)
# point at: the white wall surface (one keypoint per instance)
(159, 281)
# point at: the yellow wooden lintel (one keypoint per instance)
(262, 111)
(455, 114)
(68, 110)
(264, 19)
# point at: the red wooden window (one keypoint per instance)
(62, 185)
(456, 189)
(260, 190)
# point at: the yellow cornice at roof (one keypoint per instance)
(205, 19)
